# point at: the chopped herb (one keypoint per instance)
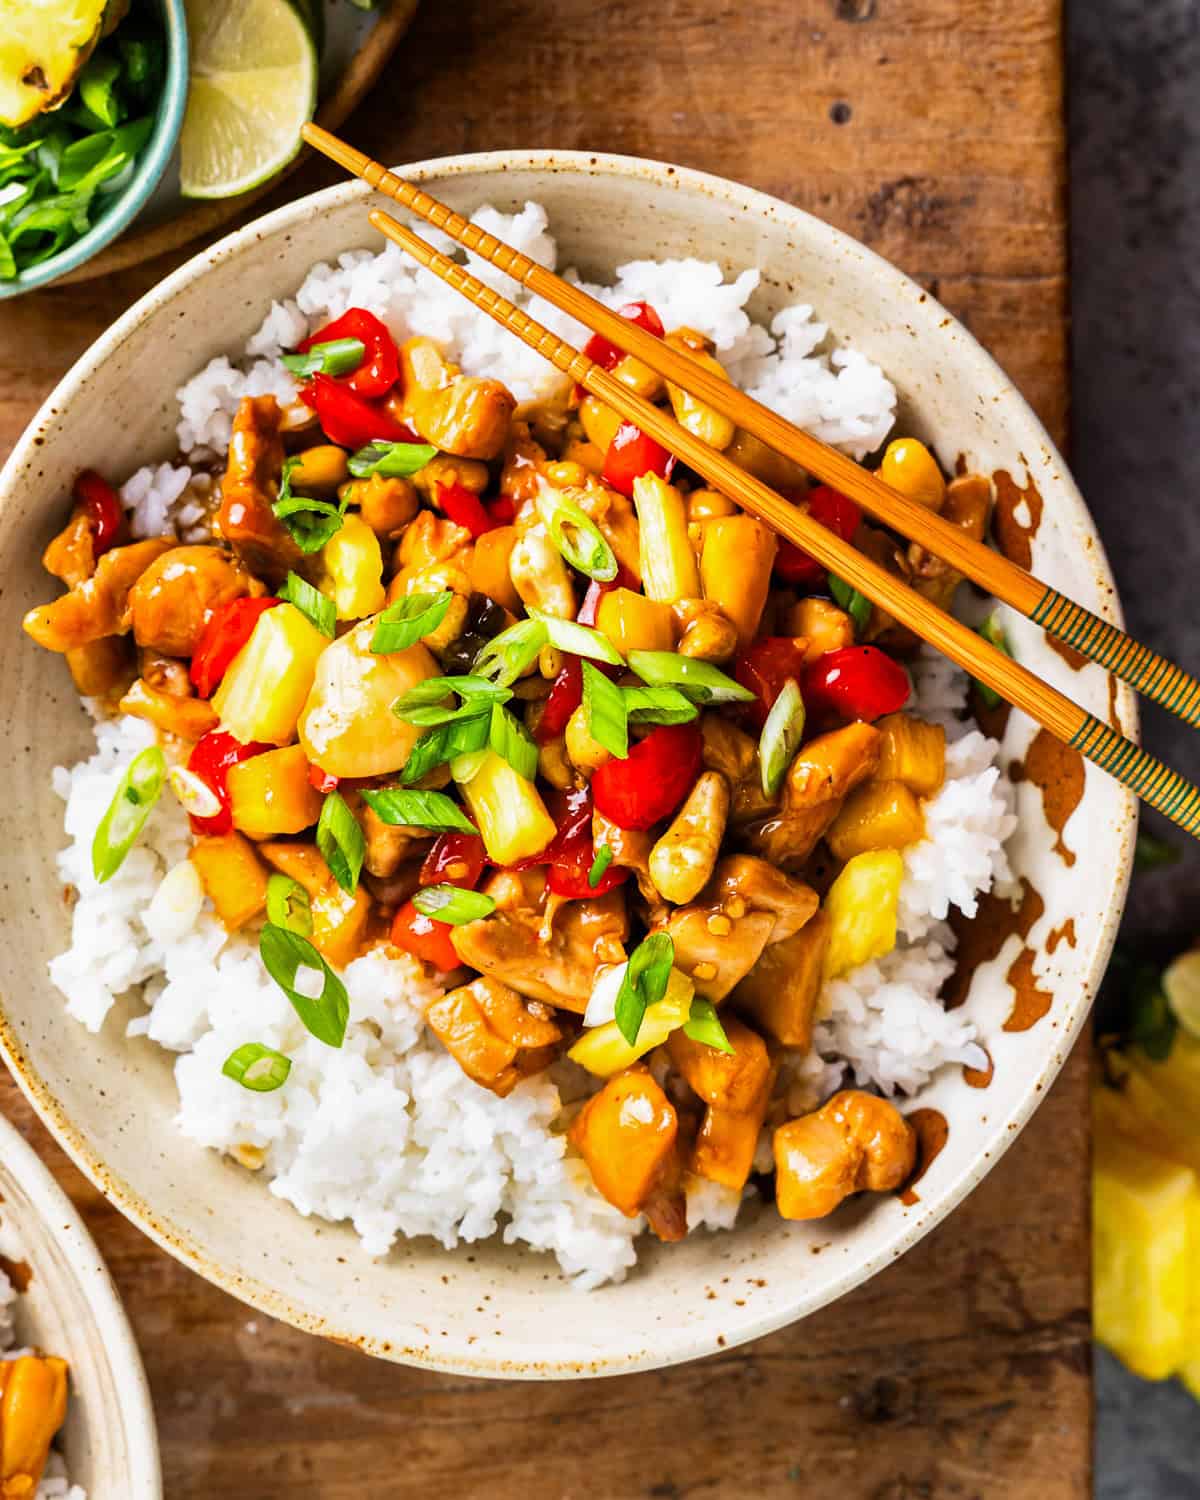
(337, 357)
(341, 842)
(285, 953)
(259, 1068)
(644, 982)
(404, 623)
(315, 606)
(403, 807)
(452, 904)
(137, 792)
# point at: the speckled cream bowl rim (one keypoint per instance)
(631, 1344)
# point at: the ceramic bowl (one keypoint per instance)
(121, 208)
(495, 1310)
(70, 1307)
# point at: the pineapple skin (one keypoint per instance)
(43, 49)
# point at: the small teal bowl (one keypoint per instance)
(123, 207)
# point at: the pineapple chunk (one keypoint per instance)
(626, 1133)
(271, 794)
(879, 815)
(862, 905)
(599, 422)
(665, 555)
(602, 1050)
(913, 752)
(43, 47)
(339, 920)
(781, 990)
(33, 1403)
(512, 818)
(263, 692)
(735, 567)
(634, 623)
(352, 570)
(232, 875)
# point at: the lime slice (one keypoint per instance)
(253, 84)
(1181, 985)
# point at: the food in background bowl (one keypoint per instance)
(452, 670)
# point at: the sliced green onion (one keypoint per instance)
(510, 654)
(575, 534)
(391, 460)
(288, 904)
(856, 605)
(137, 792)
(579, 640)
(512, 742)
(993, 632)
(450, 903)
(466, 767)
(658, 705)
(604, 707)
(259, 1068)
(445, 743)
(310, 523)
(644, 982)
(781, 736)
(704, 1025)
(315, 606)
(698, 680)
(401, 807)
(604, 858)
(433, 692)
(341, 842)
(284, 954)
(337, 357)
(404, 623)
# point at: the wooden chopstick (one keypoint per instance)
(1151, 674)
(1154, 782)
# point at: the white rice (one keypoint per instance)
(388, 1133)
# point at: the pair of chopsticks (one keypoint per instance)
(1151, 674)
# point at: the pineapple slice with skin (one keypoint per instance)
(44, 47)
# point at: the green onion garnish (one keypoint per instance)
(390, 460)
(137, 792)
(856, 605)
(315, 606)
(426, 704)
(704, 1025)
(644, 982)
(337, 357)
(993, 632)
(256, 1067)
(510, 654)
(284, 954)
(604, 858)
(604, 707)
(575, 534)
(658, 705)
(781, 736)
(404, 623)
(288, 904)
(310, 523)
(512, 742)
(579, 640)
(450, 903)
(401, 807)
(445, 743)
(698, 680)
(341, 842)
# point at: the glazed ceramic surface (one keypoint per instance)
(71, 1308)
(492, 1310)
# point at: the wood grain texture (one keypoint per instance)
(963, 1371)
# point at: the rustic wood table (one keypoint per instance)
(933, 130)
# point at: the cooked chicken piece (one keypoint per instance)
(100, 605)
(496, 1037)
(33, 1403)
(682, 860)
(758, 886)
(730, 1080)
(435, 554)
(71, 556)
(540, 575)
(166, 674)
(101, 668)
(457, 413)
(388, 844)
(855, 1142)
(627, 1135)
(250, 487)
(395, 889)
(630, 849)
(818, 781)
(967, 505)
(781, 990)
(546, 954)
(339, 920)
(520, 474)
(189, 718)
(714, 949)
(726, 748)
(174, 599)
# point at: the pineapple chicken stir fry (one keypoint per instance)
(506, 689)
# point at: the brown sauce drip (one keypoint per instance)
(981, 937)
(1030, 1003)
(993, 721)
(1074, 659)
(1057, 771)
(1114, 713)
(19, 1272)
(932, 1134)
(979, 1078)
(1063, 934)
(1015, 537)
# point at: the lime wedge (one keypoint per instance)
(1181, 985)
(253, 84)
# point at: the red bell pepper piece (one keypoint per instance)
(652, 780)
(348, 419)
(226, 633)
(631, 454)
(764, 668)
(836, 512)
(425, 938)
(455, 859)
(564, 698)
(854, 682)
(464, 508)
(502, 509)
(322, 781)
(380, 368)
(570, 854)
(606, 354)
(211, 759)
(104, 512)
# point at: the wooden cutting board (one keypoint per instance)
(932, 129)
